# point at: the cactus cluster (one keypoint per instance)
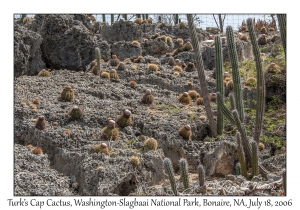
(193, 94)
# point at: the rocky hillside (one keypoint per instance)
(69, 152)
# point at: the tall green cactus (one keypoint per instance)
(224, 109)
(170, 171)
(103, 18)
(112, 18)
(201, 75)
(254, 158)
(98, 57)
(184, 172)
(284, 181)
(235, 72)
(176, 19)
(260, 84)
(125, 16)
(220, 83)
(231, 99)
(282, 25)
(241, 156)
(201, 175)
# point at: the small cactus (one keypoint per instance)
(229, 85)
(238, 169)
(44, 73)
(36, 101)
(226, 74)
(127, 60)
(251, 81)
(179, 41)
(110, 132)
(41, 123)
(241, 155)
(37, 151)
(262, 40)
(244, 37)
(105, 75)
(184, 172)
(199, 101)
(190, 67)
(261, 146)
(152, 67)
(201, 175)
(148, 98)
(169, 39)
(132, 83)
(150, 144)
(182, 25)
(114, 61)
(135, 43)
(102, 148)
(138, 21)
(124, 119)
(193, 94)
(185, 131)
(177, 68)
(121, 66)
(184, 98)
(170, 171)
(263, 30)
(138, 59)
(273, 68)
(171, 61)
(213, 97)
(154, 36)
(188, 47)
(67, 93)
(113, 74)
(76, 113)
(133, 67)
(134, 160)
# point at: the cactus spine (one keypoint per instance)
(220, 83)
(282, 25)
(235, 72)
(260, 85)
(241, 156)
(169, 169)
(98, 57)
(184, 172)
(201, 75)
(254, 158)
(201, 175)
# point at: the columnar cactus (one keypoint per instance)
(282, 24)
(224, 109)
(220, 84)
(231, 99)
(235, 72)
(98, 57)
(260, 83)
(170, 171)
(184, 171)
(201, 75)
(201, 175)
(238, 169)
(241, 156)
(254, 158)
